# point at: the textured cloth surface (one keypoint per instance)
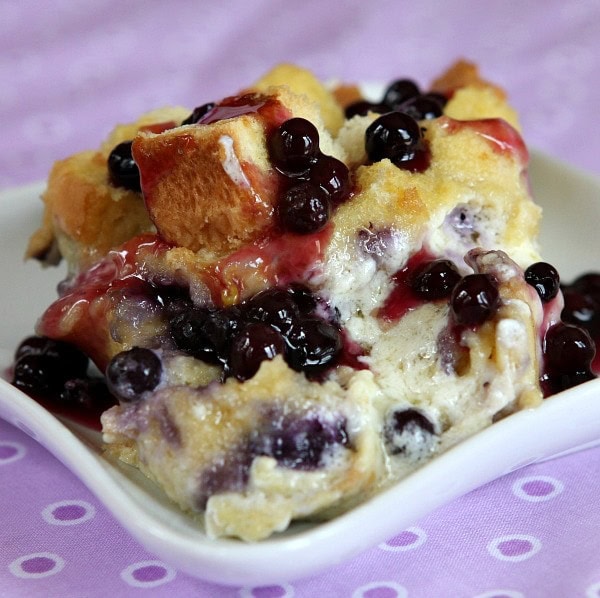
(70, 70)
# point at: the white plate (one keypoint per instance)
(566, 422)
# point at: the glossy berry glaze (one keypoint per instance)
(250, 103)
(133, 284)
(423, 279)
(82, 314)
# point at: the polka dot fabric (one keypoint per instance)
(70, 70)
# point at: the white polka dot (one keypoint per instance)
(68, 512)
(409, 539)
(148, 574)
(537, 488)
(593, 591)
(11, 452)
(361, 592)
(255, 592)
(500, 594)
(514, 548)
(47, 128)
(37, 564)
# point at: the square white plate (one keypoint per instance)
(566, 422)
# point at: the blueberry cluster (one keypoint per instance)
(276, 321)
(473, 298)
(570, 346)
(396, 134)
(316, 183)
(57, 371)
(402, 95)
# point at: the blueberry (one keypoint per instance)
(395, 136)
(303, 298)
(400, 91)
(131, 373)
(313, 345)
(298, 442)
(304, 209)
(65, 357)
(435, 279)
(402, 426)
(37, 374)
(42, 365)
(89, 393)
(202, 333)
(422, 108)
(568, 348)
(122, 169)
(333, 176)
(440, 98)
(544, 279)
(475, 299)
(581, 310)
(588, 284)
(294, 146)
(363, 107)
(255, 343)
(275, 307)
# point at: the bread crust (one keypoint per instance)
(211, 186)
(85, 215)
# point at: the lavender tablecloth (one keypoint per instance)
(71, 69)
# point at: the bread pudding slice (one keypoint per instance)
(315, 306)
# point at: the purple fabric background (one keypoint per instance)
(70, 70)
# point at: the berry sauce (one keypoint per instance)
(277, 260)
(85, 408)
(81, 315)
(268, 107)
(403, 297)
